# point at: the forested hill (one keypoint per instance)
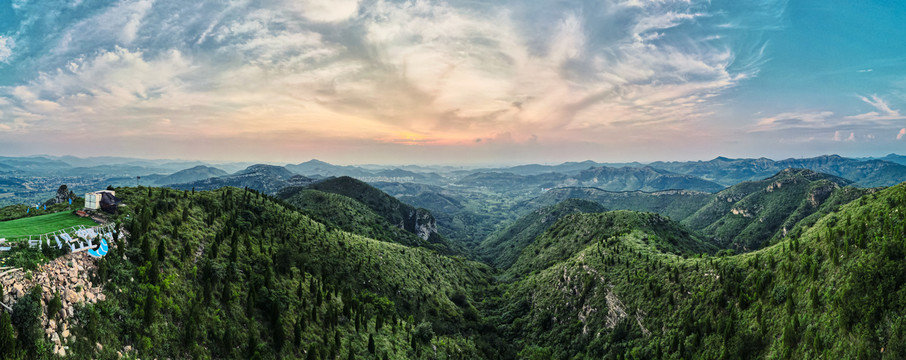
(355, 217)
(836, 291)
(751, 214)
(415, 220)
(503, 247)
(235, 274)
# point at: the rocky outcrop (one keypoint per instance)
(67, 277)
(425, 224)
(63, 195)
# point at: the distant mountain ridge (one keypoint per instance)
(607, 178)
(645, 178)
(197, 173)
(725, 171)
(677, 204)
(318, 167)
(268, 179)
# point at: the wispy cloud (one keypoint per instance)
(788, 120)
(416, 72)
(883, 111)
(882, 118)
(901, 134)
(6, 48)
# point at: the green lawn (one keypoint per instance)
(43, 224)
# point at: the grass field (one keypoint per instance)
(38, 225)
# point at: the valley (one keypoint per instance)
(452, 180)
(271, 263)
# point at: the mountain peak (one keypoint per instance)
(315, 162)
(278, 171)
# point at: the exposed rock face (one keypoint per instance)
(61, 197)
(66, 276)
(425, 224)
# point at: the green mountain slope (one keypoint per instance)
(838, 291)
(503, 247)
(414, 220)
(464, 215)
(351, 216)
(748, 215)
(562, 240)
(234, 274)
(677, 204)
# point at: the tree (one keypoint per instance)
(313, 353)
(54, 307)
(424, 332)
(27, 319)
(7, 337)
(371, 343)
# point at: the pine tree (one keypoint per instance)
(161, 251)
(7, 336)
(371, 343)
(313, 353)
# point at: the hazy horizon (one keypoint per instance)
(438, 164)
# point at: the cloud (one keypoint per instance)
(839, 137)
(883, 111)
(327, 10)
(790, 120)
(448, 72)
(6, 48)
(901, 134)
(882, 117)
(117, 25)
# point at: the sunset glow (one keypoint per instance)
(365, 81)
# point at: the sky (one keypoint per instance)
(452, 82)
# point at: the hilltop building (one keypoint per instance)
(105, 200)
